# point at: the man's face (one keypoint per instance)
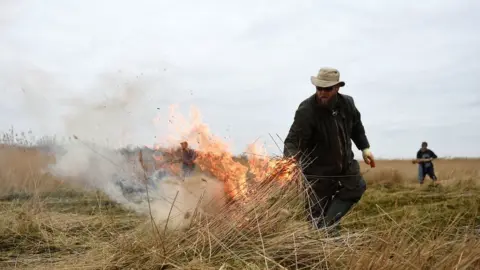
(324, 95)
(184, 146)
(424, 147)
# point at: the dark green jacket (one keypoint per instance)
(321, 137)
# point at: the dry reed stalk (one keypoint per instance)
(397, 225)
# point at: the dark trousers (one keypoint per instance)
(424, 171)
(187, 169)
(330, 198)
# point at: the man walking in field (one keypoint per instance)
(320, 139)
(188, 159)
(425, 165)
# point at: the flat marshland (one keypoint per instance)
(49, 223)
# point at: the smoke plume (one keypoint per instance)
(98, 165)
(171, 199)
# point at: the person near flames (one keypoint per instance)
(188, 159)
(320, 140)
(425, 164)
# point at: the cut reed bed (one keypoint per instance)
(397, 225)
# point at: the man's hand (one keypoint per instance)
(368, 157)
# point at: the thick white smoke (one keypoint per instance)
(171, 199)
(196, 193)
(94, 167)
(97, 165)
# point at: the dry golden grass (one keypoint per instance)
(398, 225)
(21, 171)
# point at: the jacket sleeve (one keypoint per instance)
(433, 154)
(358, 131)
(300, 131)
(193, 154)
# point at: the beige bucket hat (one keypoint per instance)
(327, 77)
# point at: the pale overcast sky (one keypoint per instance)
(412, 67)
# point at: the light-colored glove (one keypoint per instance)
(368, 157)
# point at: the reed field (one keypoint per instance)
(51, 223)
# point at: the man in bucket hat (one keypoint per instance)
(320, 139)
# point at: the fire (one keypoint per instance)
(214, 156)
(263, 167)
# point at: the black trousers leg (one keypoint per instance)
(332, 198)
(431, 173)
(319, 199)
(350, 192)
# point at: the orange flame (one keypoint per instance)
(214, 156)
